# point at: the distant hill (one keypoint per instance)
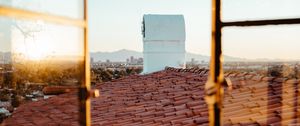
(116, 56)
(122, 55)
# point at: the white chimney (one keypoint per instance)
(164, 42)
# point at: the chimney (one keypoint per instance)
(163, 42)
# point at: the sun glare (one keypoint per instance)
(37, 50)
(34, 54)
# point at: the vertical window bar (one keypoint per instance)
(85, 87)
(213, 87)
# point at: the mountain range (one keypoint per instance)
(122, 55)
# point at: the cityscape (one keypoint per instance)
(149, 63)
(64, 79)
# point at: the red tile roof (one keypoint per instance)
(172, 97)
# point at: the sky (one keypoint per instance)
(40, 39)
(116, 24)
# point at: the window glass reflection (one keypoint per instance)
(263, 65)
(67, 8)
(39, 60)
(233, 10)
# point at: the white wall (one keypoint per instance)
(164, 42)
(164, 28)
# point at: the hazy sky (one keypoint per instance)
(39, 39)
(115, 24)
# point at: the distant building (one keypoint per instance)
(163, 41)
(131, 59)
(134, 61)
(92, 60)
(140, 61)
(193, 61)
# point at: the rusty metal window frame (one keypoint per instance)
(213, 88)
(84, 89)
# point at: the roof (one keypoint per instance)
(172, 97)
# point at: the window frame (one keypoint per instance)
(85, 91)
(214, 86)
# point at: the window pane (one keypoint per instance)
(68, 8)
(233, 10)
(38, 61)
(263, 65)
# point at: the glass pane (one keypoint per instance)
(68, 8)
(263, 65)
(233, 10)
(41, 67)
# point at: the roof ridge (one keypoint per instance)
(201, 71)
(242, 75)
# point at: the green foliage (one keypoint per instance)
(272, 70)
(27, 76)
(275, 71)
(284, 71)
(15, 100)
(103, 75)
(4, 97)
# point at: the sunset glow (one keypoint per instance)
(36, 53)
(46, 42)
